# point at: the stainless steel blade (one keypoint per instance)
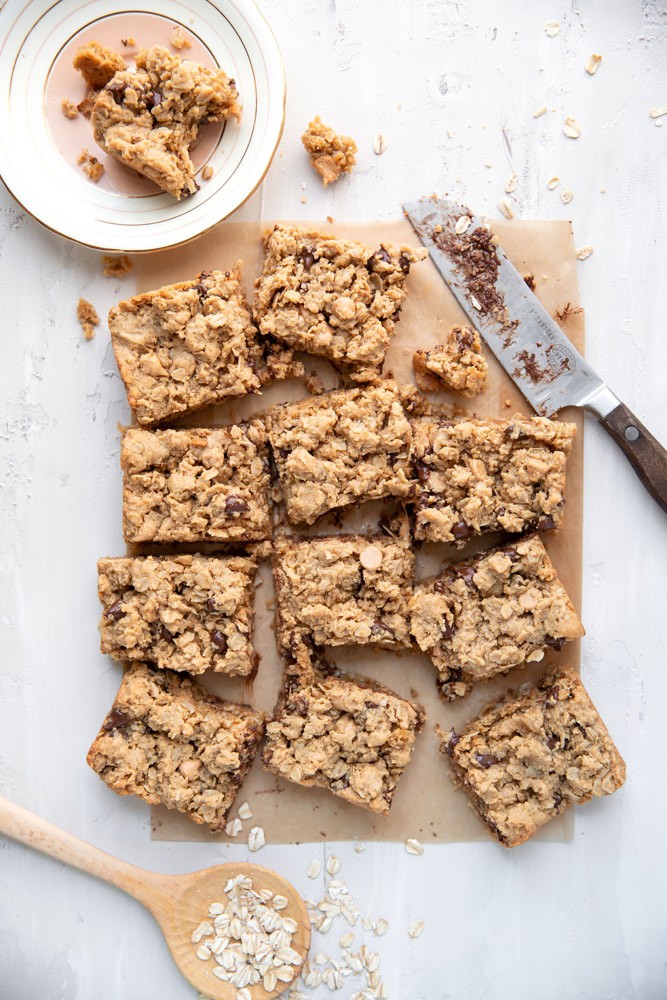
(527, 342)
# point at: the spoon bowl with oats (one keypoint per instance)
(236, 931)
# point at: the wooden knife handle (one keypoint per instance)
(646, 455)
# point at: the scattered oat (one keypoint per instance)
(511, 183)
(566, 196)
(333, 865)
(207, 172)
(380, 927)
(358, 848)
(234, 827)
(412, 846)
(593, 64)
(463, 224)
(505, 207)
(87, 315)
(658, 112)
(475, 302)
(244, 811)
(488, 164)
(346, 940)
(540, 111)
(314, 868)
(571, 129)
(303, 199)
(178, 39)
(552, 28)
(116, 267)
(583, 253)
(508, 402)
(553, 182)
(256, 838)
(90, 165)
(415, 929)
(69, 108)
(379, 144)
(128, 43)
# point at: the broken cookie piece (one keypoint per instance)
(499, 610)
(346, 734)
(148, 119)
(527, 758)
(330, 154)
(86, 313)
(457, 364)
(343, 589)
(170, 742)
(97, 64)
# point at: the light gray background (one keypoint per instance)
(444, 81)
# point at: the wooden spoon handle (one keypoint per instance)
(38, 833)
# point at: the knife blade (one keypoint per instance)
(545, 366)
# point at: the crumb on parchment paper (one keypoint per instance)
(87, 316)
(116, 267)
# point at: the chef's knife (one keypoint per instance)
(530, 346)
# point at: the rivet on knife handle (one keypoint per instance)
(646, 455)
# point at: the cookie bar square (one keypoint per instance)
(346, 734)
(191, 613)
(527, 758)
(332, 297)
(148, 118)
(203, 485)
(485, 615)
(458, 364)
(184, 346)
(343, 446)
(169, 741)
(343, 589)
(477, 476)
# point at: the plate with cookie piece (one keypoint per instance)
(134, 131)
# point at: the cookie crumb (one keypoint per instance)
(85, 107)
(540, 111)
(90, 165)
(69, 108)
(457, 364)
(530, 280)
(593, 64)
(331, 154)
(207, 172)
(128, 43)
(314, 384)
(178, 39)
(508, 403)
(86, 314)
(116, 267)
(571, 128)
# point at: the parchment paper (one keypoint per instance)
(426, 805)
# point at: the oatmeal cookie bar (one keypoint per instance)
(194, 485)
(343, 446)
(97, 64)
(332, 297)
(331, 155)
(346, 734)
(477, 476)
(343, 589)
(190, 613)
(185, 346)
(527, 758)
(169, 741)
(149, 118)
(457, 364)
(486, 615)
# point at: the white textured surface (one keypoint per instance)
(579, 921)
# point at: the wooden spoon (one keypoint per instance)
(178, 902)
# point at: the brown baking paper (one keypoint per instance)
(426, 805)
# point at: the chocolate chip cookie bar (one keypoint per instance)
(332, 297)
(486, 615)
(203, 485)
(526, 759)
(343, 589)
(190, 613)
(343, 446)
(458, 364)
(346, 734)
(477, 476)
(185, 346)
(169, 741)
(331, 154)
(149, 118)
